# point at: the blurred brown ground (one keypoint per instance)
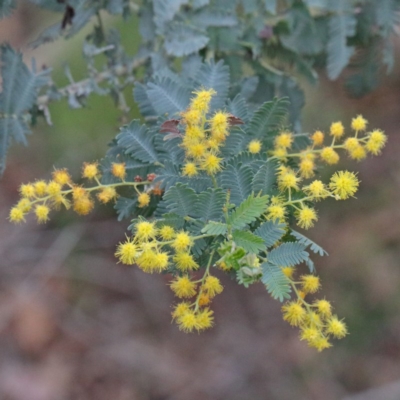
(74, 325)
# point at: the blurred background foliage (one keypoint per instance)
(75, 325)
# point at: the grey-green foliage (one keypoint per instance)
(18, 96)
(269, 45)
(232, 213)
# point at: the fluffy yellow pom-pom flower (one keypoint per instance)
(27, 190)
(118, 170)
(211, 164)
(167, 232)
(189, 169)
(336, 328)
(54, 189)
(185, 261)
(317, 138)
(344, 184)
(317, 190)
(61, 176)
(24, 205)
(359, 123)
(182, 241)
(204, 319)
(107, 194)
(183, 287)
(40, 188)
(284, 140)
(306, 217)
(212, 286)
(337, 130)
(42, 213)
(126, 252)
(143, 200)
(145, 230)
(294, 313)
(90, 170)
(324, 307)
(254, 146)
(376, 142)
(310, 283)
(188, 321)
(329, 155)
(16, 215)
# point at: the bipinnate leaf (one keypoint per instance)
(209, 204)
(237, 178)
(167, 97)
(20, 88)
(250, 242)
(138, 141)
(308, 242)
(268, 118)
(271, 232)
(180, 199)
(248, 211)
(276, 282)
(215, 228)
(182, 40)
(265, 178)
(125, 207)
(215, 76)
(341, 26)
(288, 254)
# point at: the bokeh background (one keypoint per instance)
(75, 325)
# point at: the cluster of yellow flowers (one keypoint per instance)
(203, 137)
(315, 320)
(158, 247)
(153, 249)
(41, 196)
(342, 185)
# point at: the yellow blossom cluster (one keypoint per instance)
(203, 136)
(156, 249)
(342, 185)
(316, 321)
(42, 196)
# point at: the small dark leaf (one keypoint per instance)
(170, 126)
(232, 120)
(69, 15)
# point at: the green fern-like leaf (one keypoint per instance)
(182, 40)
(276, 282)
(215, 76)
(171, 219)
(288, 254)
(265, 178)
(309, 243)
(166, 97)
(209, 204)
(143, 101)
(247, 212)
(271, 232)
(137, 141)
(269, 117)
(215, 228)
(125, 207)
(341, 26)
(20, 88)
(237, 178)
(180, 199)
(248, 241)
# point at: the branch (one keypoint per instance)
(80, 87)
